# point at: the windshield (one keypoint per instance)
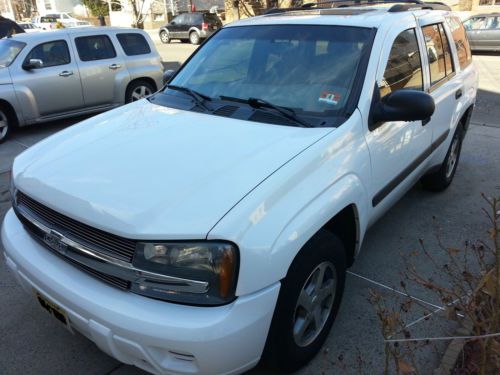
(307, 68)
(9, 49)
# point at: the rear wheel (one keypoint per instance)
(441, 179)
(309, 300)
(138, 90)
(164, 36)
(194, 38)
(6, 123)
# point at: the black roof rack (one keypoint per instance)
(399, 5)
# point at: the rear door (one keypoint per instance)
(102, 69)
(441, 82)
(174, 27)
(185, 25)
(55, 87)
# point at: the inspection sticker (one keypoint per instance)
(329, 97)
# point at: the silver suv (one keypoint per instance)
(53, 75)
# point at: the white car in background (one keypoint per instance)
(29, 27)
(68, 21)
(44, 22)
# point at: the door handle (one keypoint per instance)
(114, 66)
(458, 94)
(66, 73)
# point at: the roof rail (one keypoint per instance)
(400, 5)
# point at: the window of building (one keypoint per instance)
(404, 67)
(52, 53)
(133, 44)
(461, 42)
(95, 47)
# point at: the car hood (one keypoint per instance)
(145, 171)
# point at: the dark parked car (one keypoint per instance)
(483, 31)
(190, 26)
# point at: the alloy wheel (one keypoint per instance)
(453, 157)
(314, 304)
(140, 92)
(4, 125)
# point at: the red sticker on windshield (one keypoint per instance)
(329, 97)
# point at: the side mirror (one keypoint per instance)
(401, 105)
(172, 22)
(33, 64)
(167, 75)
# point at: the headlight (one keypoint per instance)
(202, 273)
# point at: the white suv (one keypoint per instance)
(211, 224)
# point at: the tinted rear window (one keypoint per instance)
(133, 44)
(96, 47)
(210, 17)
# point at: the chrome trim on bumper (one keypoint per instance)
(107, 264)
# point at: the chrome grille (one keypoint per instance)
(110, 244)
(38, 235)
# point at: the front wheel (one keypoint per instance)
(194, 38)
(5, 124)
(164, 37)
(441, 179)
(138, 90)
(309, 300)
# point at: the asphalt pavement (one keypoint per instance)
(32, 342)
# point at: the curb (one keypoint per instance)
(453, 350)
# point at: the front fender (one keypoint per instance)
(272, 223)
(8, 94)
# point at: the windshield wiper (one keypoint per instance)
(261, 103)
(198, 97)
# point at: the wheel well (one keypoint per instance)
(11, 112)
(465, 119)
(144, 79)
(345, 226)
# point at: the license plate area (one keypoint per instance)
(53, 309)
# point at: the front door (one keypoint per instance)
(55, 87)
(102, 70)
(397, 147)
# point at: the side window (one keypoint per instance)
(51, 53)
(95, 47)
(492, 23)
(133, 44)
(404, 67)
(447, 52)
(461, 41)
(180, 19)
(435, 52)
(475, 23)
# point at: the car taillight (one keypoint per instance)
(204, 26)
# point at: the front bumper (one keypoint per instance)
(159, 337)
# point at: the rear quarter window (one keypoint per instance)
(133, 44)
(461, 42)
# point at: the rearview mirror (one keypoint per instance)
(167, 76)
(401, 105)
(33, 64)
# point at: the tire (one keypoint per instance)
(441, 179)
(194, 38)
(295, 337)
(138, 90)
(6, 123)
(164, 37)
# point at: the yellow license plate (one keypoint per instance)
(54, 309)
